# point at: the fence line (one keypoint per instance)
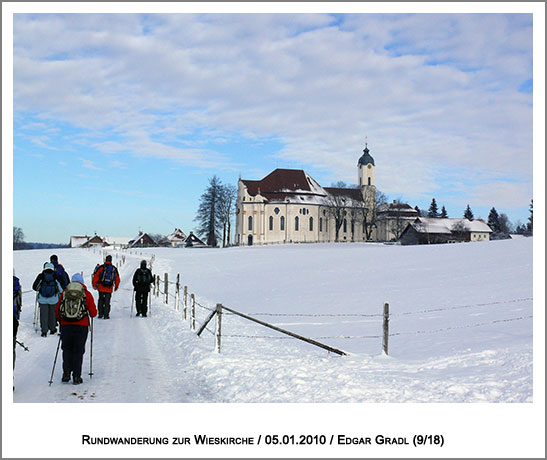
(386, 315)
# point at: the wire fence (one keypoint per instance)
(383, 318)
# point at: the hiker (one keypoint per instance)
(64, 279)
(17, 303)
(142, 279)
(73, 310)
(48, 287)
(106, 280)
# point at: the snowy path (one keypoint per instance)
(133, 360)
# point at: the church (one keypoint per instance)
(289, 206)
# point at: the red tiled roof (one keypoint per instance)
(279, 180)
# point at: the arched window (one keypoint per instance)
(296, 224)
(282, 223)
(311, 224)
(369, 181)
(352, 226)
(250, 223)
(320, 224)
(345, 225)
(271, 223)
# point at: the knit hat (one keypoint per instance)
(77, 277)
(49, 266)
(108, 258)
(53, 258)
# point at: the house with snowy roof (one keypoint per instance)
(289, 206)
(174, 240)
(425, 230)
(143, 240)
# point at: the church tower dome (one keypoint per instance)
(366, 158)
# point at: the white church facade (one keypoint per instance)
(289, 206)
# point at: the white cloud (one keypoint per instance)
(318, 86)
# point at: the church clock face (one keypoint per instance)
(369, 166)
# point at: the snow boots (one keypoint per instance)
(66, 377)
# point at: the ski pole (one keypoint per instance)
(132, 299)
(149, 303)
(22, 344)
(35, 323)
(91, 353)
(55, 361)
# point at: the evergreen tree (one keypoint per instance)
(530, 225)
(444, 214)
(209, 212)
(433, 209)
(494, 220)
(468, 214)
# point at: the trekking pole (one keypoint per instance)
(22, 344)
(55, 361)
(149, 303)
(132, 299)
(35, 323)
(91, 353)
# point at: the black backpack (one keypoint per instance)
(143, 277)
(108, 275)
(48, 285)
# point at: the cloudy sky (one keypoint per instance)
(119, 120)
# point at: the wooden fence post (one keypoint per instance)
(166, 287)
(386, 327)
(219, 326)
(193, 310)
(185, 294)
(177, 295)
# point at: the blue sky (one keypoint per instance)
(120, 120)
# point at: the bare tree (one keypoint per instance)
(336, 206)
(460, 229)
(18, 238)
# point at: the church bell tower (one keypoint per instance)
(365, 167)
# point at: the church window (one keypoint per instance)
(320, 224)
(250, 223)
(352, 226)
(276, 210)
(282, 223)
(296, 224)
(311, 224)
(271, 223)
(345, 225)
(369, 181)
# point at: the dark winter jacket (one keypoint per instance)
(64, 279)
(142, 274)
(90, 305)
(17, 298)
(97, 279)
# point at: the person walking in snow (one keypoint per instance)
(106, 280)
(17, 303)
(142, 279)
(73, 310)
(64, 279)
(48, 287)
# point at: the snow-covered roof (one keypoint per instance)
(177, 235)
(295, 186)
(76, 241)
(435, 225)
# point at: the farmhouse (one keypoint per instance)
(143, 240)
(424, 230)
(289, 206)
(174, 240)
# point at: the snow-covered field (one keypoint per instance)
(461, 320)
(460, 326)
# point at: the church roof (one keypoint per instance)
(366, 158)
(296, 186)
(286, 185)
